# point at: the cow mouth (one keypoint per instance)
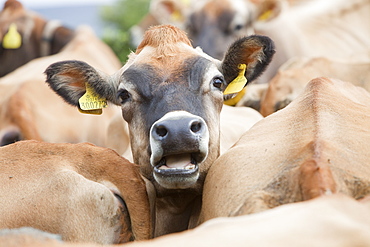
(178, 164)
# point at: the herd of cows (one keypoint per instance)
(149, 154)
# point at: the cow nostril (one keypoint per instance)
(161, 131)
(196, 126)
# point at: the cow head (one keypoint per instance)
(215, 24)
(171, 96)
(32, 36)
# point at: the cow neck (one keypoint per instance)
(177, 213)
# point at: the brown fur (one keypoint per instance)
(335, 220)
(162, 38)
(294, 75)
(313, 147)
(79, 177)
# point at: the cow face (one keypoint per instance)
(171, 96)
(214, 24)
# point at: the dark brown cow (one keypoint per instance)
(83, 192)
(38, 36)
(171, 96)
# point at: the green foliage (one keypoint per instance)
(119, 17)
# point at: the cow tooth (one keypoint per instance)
(190, 167)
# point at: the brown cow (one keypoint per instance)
(30, 110)
(83, 192)
(315, 146)
(171, 96)
(38, 36)
(334, 220)
(294, 75)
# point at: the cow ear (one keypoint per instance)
(70, 79)
(254, 51)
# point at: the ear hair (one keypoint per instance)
(68, 78)
(255, 51)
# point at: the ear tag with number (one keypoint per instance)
(239, 82)
(12, 39)
(91, 102)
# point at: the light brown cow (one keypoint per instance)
(171, 95)
(334, 220)
(315, 146)
(294, 75)
(38, 37)
(83, 192)
(30, 110)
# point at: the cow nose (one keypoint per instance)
(184, 128)
(178, 133)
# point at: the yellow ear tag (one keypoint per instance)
(12, 39)
(176, 16)
(91, 102)
(237, 98)
(239, 82)
(265, 15)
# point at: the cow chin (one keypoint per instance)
(176, 178)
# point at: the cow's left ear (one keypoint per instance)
(254, 51)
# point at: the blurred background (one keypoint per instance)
(110, 19)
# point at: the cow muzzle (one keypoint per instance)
(179, 144)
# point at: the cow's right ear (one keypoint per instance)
(70, 78)
(254, 52)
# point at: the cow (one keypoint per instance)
(335, 220)
(315, 146)
(171, 96)
(30, 110)
(82, 192)
(294, 75)
(234, 121)
(24, 35)
(310, 28)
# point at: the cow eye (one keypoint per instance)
(238, 27)
(124, 95)
(217, 82)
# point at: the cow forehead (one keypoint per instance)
(156, 80)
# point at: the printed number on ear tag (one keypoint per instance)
(239, 82)
(12, 39)
(91, 102)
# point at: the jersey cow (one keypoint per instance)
(24, 35)
(80, 191)
(30, 110)
(315, 146)
(294, 75)
(171, 96)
